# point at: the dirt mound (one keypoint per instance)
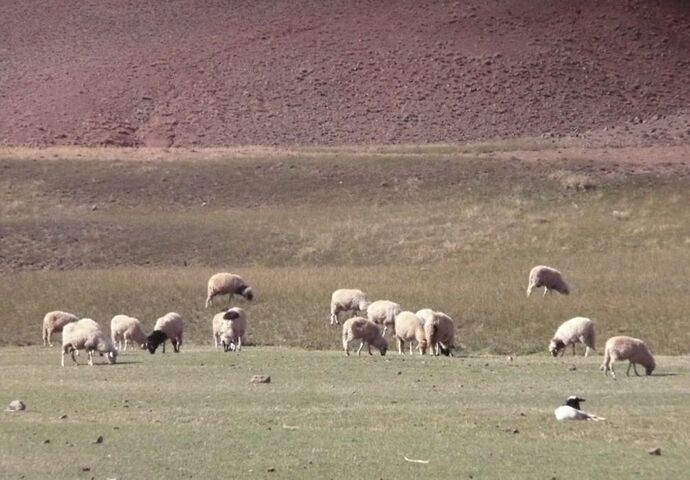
(215, 73)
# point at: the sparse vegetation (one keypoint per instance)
(142, 237)
(324, 415)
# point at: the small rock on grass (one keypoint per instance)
(260, 379)
(16, 406)
(99, 439)
(654, 451)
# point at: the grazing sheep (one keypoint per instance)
(227, 284)
(54, 322)
(425, 314)
(347, 299)
(383, 312)
(440, 334)
(229, 328)
(169, 326)
(409, 327)
(547, 277)
(575, 330)
(366, 331)
(85, 334)
(124, 329)
(627, 348)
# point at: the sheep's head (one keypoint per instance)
(649, 368)
(556, 346)
(247, 293)
(111, 356)
(422, 346)
(231, 315)
(445, 350)
(363, 305)
(382, 345)
(155, 339)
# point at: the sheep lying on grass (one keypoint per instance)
(359, 328)
(229, 329)
(86, 334)
(575, 330)
(345, 300)
(55, 322)
(124, 329)
(227, 284)
(627, 348)
(409, 327)
(440, 334)
(169, 326)
(383, 312)
(547, 277)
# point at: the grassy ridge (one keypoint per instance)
(427, 227)
(195, 415)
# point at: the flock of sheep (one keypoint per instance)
(432, 331)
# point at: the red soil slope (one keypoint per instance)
(210, 73)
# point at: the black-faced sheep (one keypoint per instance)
(169, 326)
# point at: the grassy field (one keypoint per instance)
(195, 415)
(101, 232)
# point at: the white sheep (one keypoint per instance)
(575, 330)
(547, 277)
(124, 329)
(627, 348)
(409, 327)
(345, 300)
(85, 334)
(359, 328)
(232, 335)
(425, 314)
(383, 312)
(440, 334)
(169, 326)
(227, 284)
(55, 322)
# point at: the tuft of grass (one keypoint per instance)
(195, 414)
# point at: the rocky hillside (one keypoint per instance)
(211, 73)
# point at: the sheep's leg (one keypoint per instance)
(176, 348)
(546, 290)
(610, 366)
(164, 342)
(74, 359)
(124, 346)
(62, 362)
(385, 327)
(369, 349)
(635, 369)
(410, 347)
(346, 346)
(239, 343)
(573, 349)
(90, 352)
(361, 345)
(209, 299)
(530, 287)
(400, 346)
